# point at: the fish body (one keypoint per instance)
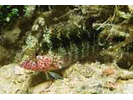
(63, 48)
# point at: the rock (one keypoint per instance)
(11, 35)
(128, 88)
(40, 87)
(15, 80)
(126, 61)
(3, 53)
(126, 75)
(82, 79)
(29, 10)
(130, 8)
(78, 79)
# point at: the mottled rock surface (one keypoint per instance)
(14, 79)
(88, 78)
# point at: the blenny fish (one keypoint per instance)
(63, 47)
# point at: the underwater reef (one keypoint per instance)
(43, 46)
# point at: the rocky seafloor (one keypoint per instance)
(88, 78)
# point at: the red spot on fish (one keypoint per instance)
(41, 63)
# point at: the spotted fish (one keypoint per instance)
(62, 48)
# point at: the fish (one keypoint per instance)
(63, 49)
